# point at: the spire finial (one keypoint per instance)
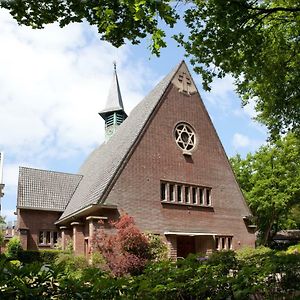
(115, 65)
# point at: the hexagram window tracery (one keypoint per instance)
(185, 137)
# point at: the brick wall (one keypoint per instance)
(157, 157)
(34, 221)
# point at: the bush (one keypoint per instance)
(43, 256)
(14, 248)
(71, 265)
(293, 249)
(260, 274)
(126, 252)
(158, 248)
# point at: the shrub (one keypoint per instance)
(13, 248)
(125, 252)
(70, 264)
(293, 249)
(43, 256)
(158, 248)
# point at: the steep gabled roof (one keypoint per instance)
(102, 166)
(45, 190)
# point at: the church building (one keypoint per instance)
(164, 165)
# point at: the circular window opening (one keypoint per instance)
(185, 137)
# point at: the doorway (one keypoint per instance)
(185, 245)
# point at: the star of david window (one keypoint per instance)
(185, 137)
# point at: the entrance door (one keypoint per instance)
(185, 246)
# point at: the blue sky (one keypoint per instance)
(53, 83)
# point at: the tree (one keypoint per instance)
(270, 181)
(255, 41)
(2, 223)
(116, 20)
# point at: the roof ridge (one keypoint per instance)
(50, 171)
(104, 165)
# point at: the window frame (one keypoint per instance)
(185, 194)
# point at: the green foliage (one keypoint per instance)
(2, 223)
(42, 256)
(14, 248)
(31, 281)
(73, 265)
(254, 41)
(116, 21)
(270, 180)
(252, 274)
(293, 249)
(158, 248)
(257, 43)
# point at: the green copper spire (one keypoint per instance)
(113, 113)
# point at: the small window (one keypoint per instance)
(187, 194)
(41, 237)
(171, 190)
(208, 197)
(229, 243)
(55, 237)
(201, 196)
(194, 195)
(179, 193)
(48, 237)
(223, 241)
(163, 191)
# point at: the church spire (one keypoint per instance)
(113, 113)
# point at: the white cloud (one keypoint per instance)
(8, 214)
(240, 141)
(53, 83)
(249, 109)
(222, 93)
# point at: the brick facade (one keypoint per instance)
(157, 157)
(31, 222)
(135, 188)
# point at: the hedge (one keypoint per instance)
(42, 256)
(254, 274)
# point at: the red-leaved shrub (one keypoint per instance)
(125, 252)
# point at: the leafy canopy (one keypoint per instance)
(270, 180)
(255, 41)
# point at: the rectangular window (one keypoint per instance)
(48, 237)
(55, 237)
(171, 190)
(163, 191)
(41, 237)
(187, 194)
(179, 193)
(208, 203)
(201, 196)
(194, 195)
(223, 241)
